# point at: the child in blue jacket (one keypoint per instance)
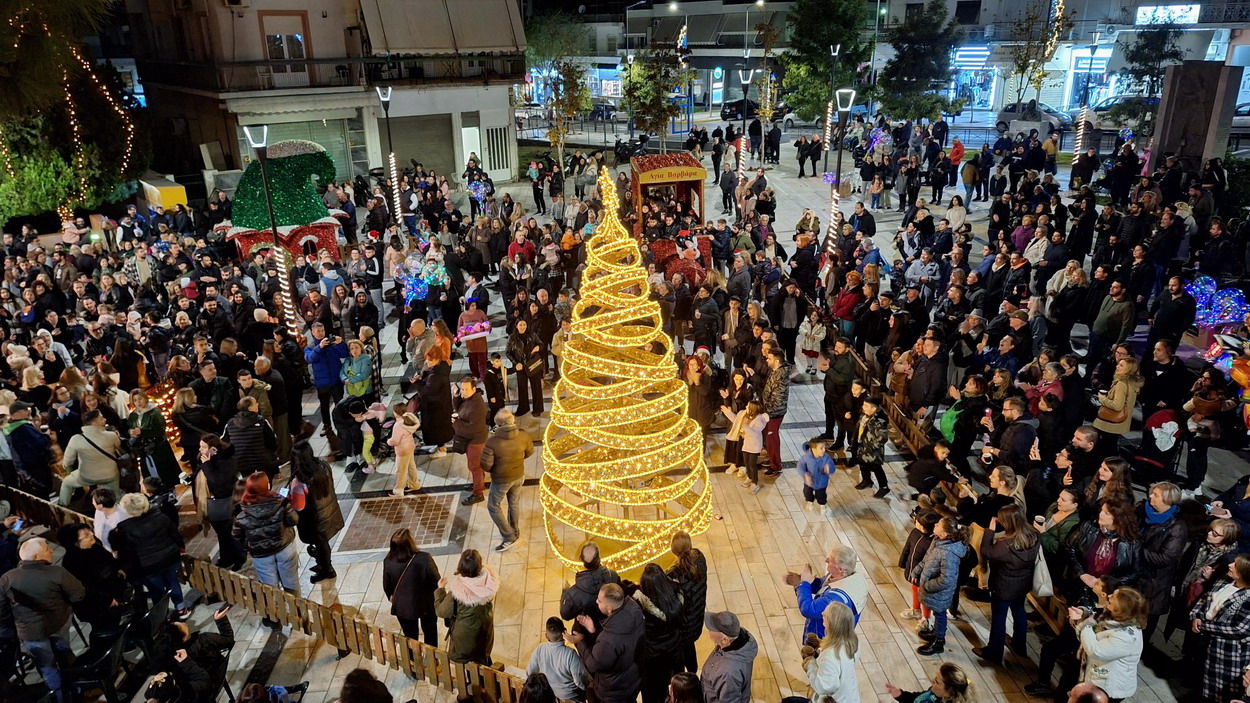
(815, 467)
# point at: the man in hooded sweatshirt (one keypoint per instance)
(727, 671)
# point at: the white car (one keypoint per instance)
(1241, 119)
(1012, 111)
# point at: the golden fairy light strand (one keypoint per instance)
(128, 126)
(623, 461)
(76, 138)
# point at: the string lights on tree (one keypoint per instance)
(623, 459)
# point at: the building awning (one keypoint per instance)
(325, 105)
(667, 30)
(735, 23)
(443, 27)
(703, 29)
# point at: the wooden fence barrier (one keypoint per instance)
(339, 630)
(1053, 609)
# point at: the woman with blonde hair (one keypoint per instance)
(1115, 411)
(830, 662)
(1111, 643)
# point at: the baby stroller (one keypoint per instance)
(1158, 457)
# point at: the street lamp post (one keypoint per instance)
(833, 81)
(844, 98)
(384, 95)
(258, 139)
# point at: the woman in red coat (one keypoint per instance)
(849, 297)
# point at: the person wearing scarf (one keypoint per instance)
(1163, 541)
(1205, 560)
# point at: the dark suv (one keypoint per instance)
(732, 110)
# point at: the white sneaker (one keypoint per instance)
(828, 511)
(909, 614)
(808, 506)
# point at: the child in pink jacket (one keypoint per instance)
(402, 431)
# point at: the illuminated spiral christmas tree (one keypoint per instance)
(623, 460)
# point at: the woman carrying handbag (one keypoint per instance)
(409, 579)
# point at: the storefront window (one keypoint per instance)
(1089, 81)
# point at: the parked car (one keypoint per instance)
(603, 111)
(1241, 119)
(732, 110)
(791, 119)
(1013, 111)
(1098, 111)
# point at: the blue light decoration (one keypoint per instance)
(830, 178)
(880, 137)
(415, 288)
(1217, 307)
(1126, 134)
(1219, 357)
(478, 190)
(160, 248)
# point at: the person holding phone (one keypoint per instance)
(204, 651)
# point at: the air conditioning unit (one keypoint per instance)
(989, 32)
(1108, 32)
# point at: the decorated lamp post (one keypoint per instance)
(258, 139)
(845, 98)
(384, 95)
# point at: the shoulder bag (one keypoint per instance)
(1043, 584)
(401, 579)
(125, 462)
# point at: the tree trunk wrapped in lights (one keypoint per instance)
(623, 460)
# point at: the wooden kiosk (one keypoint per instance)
(678, 172)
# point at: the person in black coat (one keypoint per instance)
(578, 598)
(147, 545)
(1164, 538)
(609, 649)
(690, 574)
(254, 441)
(435, 385)
(108, 594)
(528, 356)
(1011, 557)
(409, 579)
(215, 460)
(321, 518)
(662, 606)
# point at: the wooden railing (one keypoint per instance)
(1053, 609)
(339, 630)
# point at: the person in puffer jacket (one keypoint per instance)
(147, 545)
(727, 671)
(658, 653)
(265, 525)
(467, 599)
(816, 466)
(403, 439)
(255, 444)
(938, 578)
(1111, 643)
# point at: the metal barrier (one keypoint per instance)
(339, 630)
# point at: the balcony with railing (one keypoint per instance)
(247, 76)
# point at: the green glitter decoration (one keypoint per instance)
(295, 198)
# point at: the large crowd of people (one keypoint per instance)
(1028, 484)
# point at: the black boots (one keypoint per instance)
(937, 646)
